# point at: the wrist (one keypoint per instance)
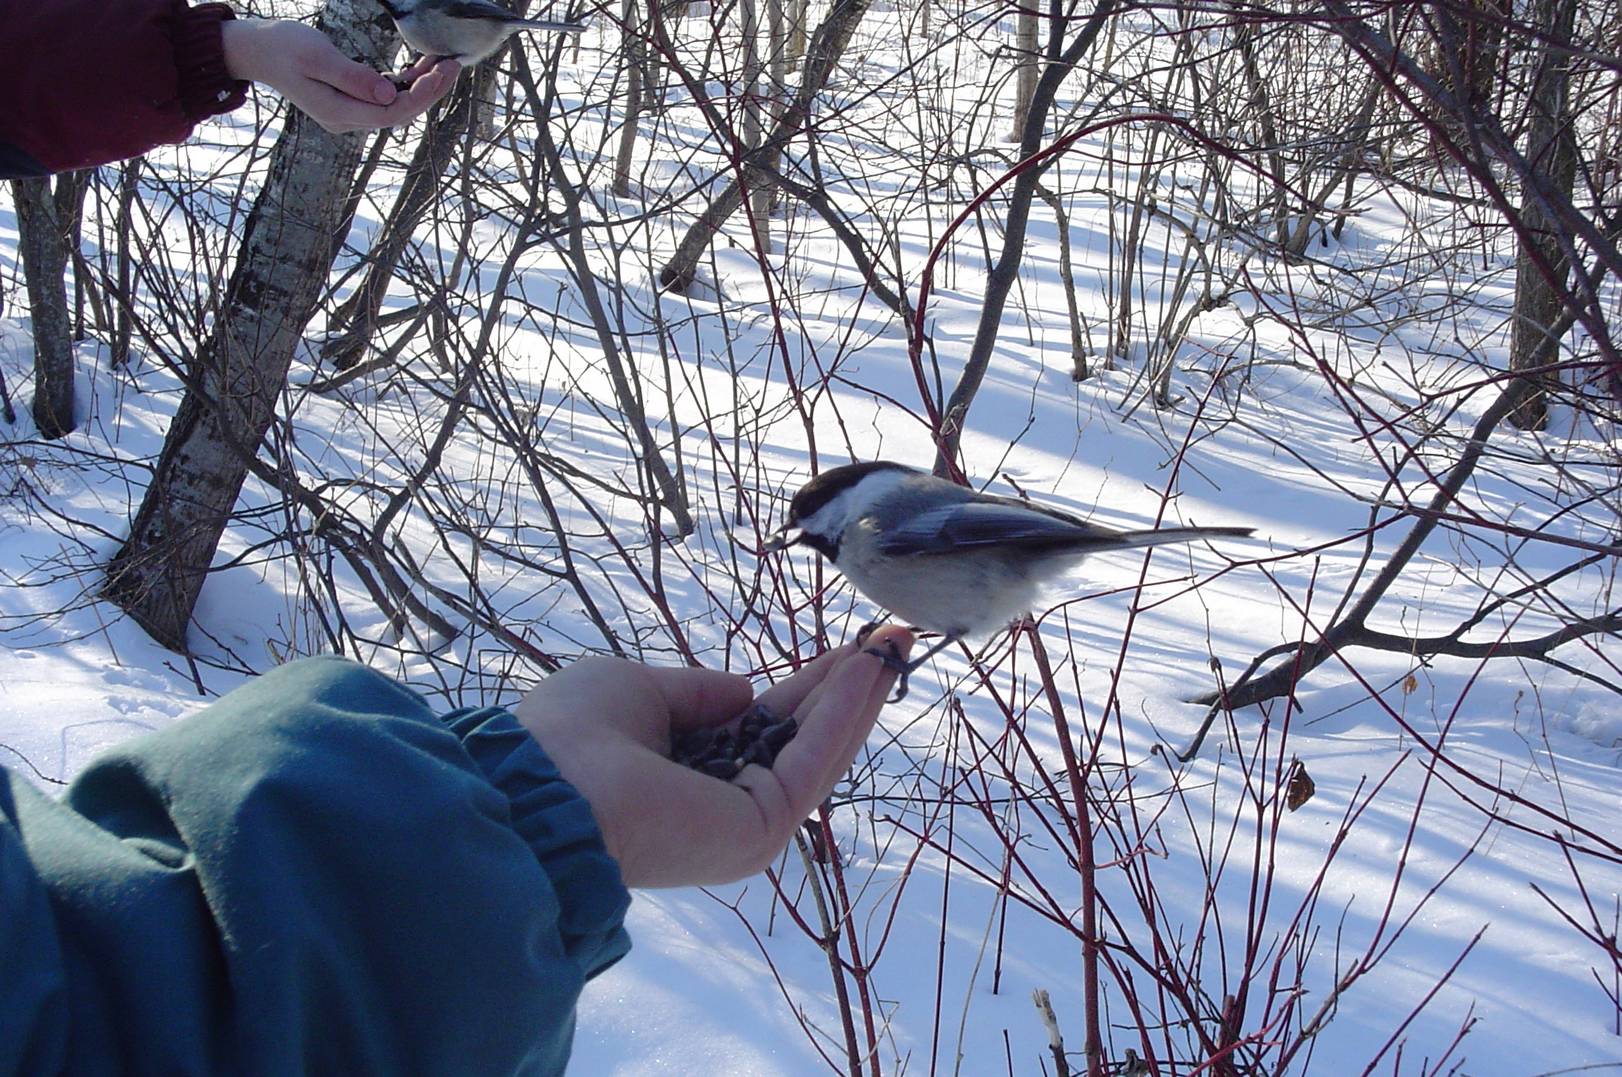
(240, 46)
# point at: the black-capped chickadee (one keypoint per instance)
(944, 557)
(463, 30)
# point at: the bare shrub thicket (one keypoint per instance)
(508, 443)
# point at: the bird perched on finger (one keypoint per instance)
(945, 557)
(463, 30)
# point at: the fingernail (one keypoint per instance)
(383, 91)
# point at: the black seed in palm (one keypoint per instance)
(722, 753)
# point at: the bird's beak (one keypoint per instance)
(784, 538)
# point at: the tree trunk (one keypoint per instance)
(798, 12)
(1541, 267)
(488, 89)
(760, 197)
(124, 319)
(44, 247)
(662, 15)
(650, 74)
(238, 373)
(1143, 205)
(1029, 68)
(633, 102)
(827, 45)
(1467, 48)
(1000, 281)
(354, 324)
(1261, 103)
(777, 96)
(1067, 281)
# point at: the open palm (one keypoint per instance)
(608, 724)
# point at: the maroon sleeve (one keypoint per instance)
(84, 82)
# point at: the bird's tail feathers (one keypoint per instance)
(1127, 540)
(553, 25)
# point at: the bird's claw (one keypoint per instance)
(890, 656)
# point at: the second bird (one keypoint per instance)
(463, 30)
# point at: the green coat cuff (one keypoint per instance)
(557, 824)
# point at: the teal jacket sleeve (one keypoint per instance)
(314, 874)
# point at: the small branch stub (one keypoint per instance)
(1044, 1009)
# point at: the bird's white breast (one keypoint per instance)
(467, 40)
(968, 595)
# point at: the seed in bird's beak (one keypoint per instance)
(785, 538)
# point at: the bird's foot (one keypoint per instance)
(891, 656)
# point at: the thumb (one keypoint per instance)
(355, 80)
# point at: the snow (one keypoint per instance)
(1403, 858)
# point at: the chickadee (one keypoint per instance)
(942, 556)
(462, 30)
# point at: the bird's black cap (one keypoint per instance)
(830, 484)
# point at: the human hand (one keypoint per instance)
(608, 724)
(304, 66)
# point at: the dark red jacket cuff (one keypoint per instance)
(206, 88)
(91, 81)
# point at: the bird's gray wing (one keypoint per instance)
(990, 523)
(478, 9)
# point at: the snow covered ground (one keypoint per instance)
(1412, 916)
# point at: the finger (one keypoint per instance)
(697, 697)
(801, 689)
(881, 640)
(425, 86)
(341, 112)
(336, 111)
(423, 65)
(832, 731)
(809, 699)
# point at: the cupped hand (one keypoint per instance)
(608, 724)
(304, 66)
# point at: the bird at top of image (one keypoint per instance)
(944, 557)
(463, 30)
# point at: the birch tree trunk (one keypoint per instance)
(798, 12)
(239, 371)
(771, 198)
